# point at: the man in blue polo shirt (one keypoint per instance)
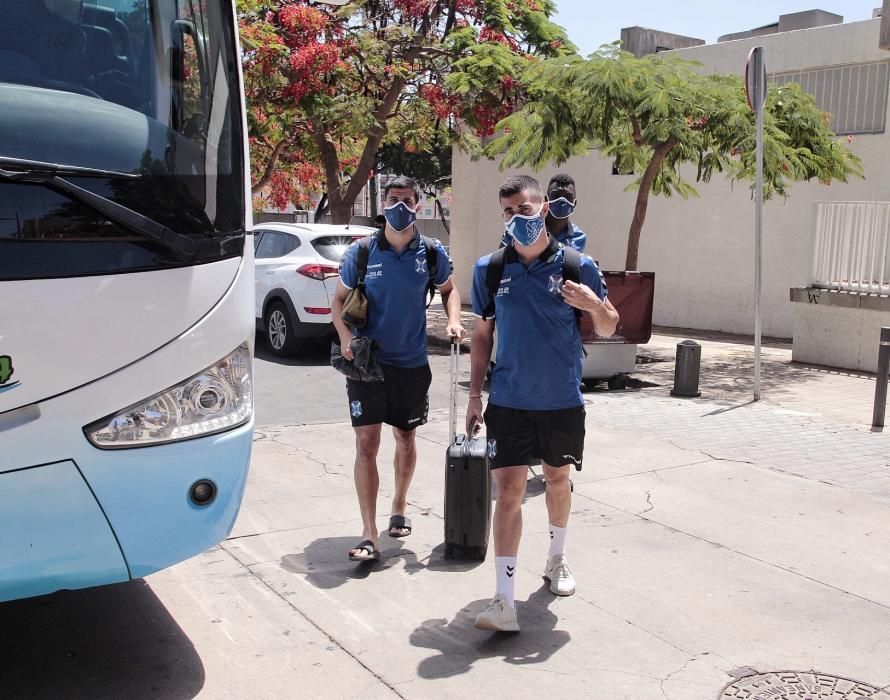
(561, 202)
(535, 405)
(396, 281)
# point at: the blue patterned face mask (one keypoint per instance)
(400, 216)
(526, 229)
(561, 208)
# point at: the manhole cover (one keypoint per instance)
(800, 685)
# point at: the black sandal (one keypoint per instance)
(399, 522)
(366, 546)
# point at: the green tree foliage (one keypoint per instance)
(328, 87)
(654, 115)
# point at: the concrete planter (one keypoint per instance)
(838, 329)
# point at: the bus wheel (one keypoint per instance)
(280, 331)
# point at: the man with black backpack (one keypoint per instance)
(395, 268)
(535, 405)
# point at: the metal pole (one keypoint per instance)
(881, 380)
(760, 89)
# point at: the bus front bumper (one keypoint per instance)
(105, 516)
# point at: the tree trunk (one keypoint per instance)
(321, 209)
(441, 211)
(659, 153)
(341, 211)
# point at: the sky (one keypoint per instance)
(591, 23)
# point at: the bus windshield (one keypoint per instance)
(121, 147)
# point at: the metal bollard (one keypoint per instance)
(881, 384)
(686, 369)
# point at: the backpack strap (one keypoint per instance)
(361, 259)
(571, 270)
(493, 274)
(432, 266)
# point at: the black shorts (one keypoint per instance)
(400, 400)
(515, 436)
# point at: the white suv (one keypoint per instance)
(297, 267)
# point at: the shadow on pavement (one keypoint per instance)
(325, 564)
(115, 641)
(460, 645)
(438, 562)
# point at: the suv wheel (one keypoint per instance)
(280, 331)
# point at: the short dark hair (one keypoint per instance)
(520, 183)
(561, 181)
(402, 182)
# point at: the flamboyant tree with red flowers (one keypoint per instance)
(328, 86)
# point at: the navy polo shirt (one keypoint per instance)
(395, 285)
(572, 236)
(539, 356)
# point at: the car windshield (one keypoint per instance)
(142, 87)
(333, 247)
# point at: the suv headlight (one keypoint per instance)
(217, 399)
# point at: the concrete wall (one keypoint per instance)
(641, 41)
(702, 250)
(838, 329)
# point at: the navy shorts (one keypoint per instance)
(400, 400)
(516, 436)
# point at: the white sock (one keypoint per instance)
(557, 540)
(506, 573)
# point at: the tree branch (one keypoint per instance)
(266, 177)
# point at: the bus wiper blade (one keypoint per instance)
(183, 247)
(25, 167)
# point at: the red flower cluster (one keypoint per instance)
(281, 190)
(442, 102)
(498, 37)
(302, 21)
(413, 8)
(310, 64)
(487, 116)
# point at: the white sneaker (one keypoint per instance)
(498, 616)
(557, 572)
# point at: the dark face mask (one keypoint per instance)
(561, 208)
(400, 216)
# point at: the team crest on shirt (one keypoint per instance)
(554, 284)
(420, 265)
(492, 449)
(355, 408)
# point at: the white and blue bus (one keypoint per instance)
(126, 288)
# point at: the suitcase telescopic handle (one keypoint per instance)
(455, 355)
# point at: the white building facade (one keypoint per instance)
(702, 250)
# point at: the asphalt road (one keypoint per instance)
(306, 389)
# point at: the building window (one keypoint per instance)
(855, 95)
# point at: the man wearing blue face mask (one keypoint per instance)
(397, 272)
(561, 201)
(535, 407)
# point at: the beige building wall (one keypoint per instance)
(701, 250)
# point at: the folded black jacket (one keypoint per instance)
(364, 366)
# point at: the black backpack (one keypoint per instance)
(571, 270)
(432, 263)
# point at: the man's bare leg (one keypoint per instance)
(367, 479)
(404, 462)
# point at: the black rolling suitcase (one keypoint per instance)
(467, 487)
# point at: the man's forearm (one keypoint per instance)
(451, 301)
(605, 320)
(336, 316)
(480, 356)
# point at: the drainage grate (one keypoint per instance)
(800, 685)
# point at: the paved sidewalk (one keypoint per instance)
(714, 541)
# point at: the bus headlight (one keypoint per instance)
(217, 399)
